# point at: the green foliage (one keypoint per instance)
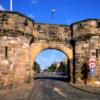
(62, 66)
(36, 67)
(52, 68)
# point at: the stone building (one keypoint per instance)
(21, 39)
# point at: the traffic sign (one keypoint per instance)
(92, 59)
(92, 65)
(92, 72)
(92, 62)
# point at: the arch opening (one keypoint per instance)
(54, 62)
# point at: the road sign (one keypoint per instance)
(92, 59)
(92, 65)
(92, 62)
(92, 72)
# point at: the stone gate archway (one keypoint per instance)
(36, 48)
(31, 38)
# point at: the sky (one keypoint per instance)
(46, 57)
(66, 12)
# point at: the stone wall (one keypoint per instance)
(16, 21)
(21, 40)
(14, 55)
(58, 32)
(87, 34)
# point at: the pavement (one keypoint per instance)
(86, 88)
(19, 92)
(47, 89)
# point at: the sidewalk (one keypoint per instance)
(86, 88)
(19, 92)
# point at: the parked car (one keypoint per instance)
(52, 72)
(60, 72)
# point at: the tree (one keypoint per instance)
(62, 66)
(36, 67)
(52, 68)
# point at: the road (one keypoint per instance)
(50, 89)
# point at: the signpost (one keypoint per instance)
(92, 65)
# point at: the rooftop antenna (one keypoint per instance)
(10, 5)
(53, 12)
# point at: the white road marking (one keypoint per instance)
(58, 91)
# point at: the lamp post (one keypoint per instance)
(52, 12)
(10, 5)
(73, 42)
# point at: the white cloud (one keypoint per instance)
(69, 21)
(34, 2)
(1, 7)
(31, 16)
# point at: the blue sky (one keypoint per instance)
(48, 56)
(66, 12)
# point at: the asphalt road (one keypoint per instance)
(51, 89)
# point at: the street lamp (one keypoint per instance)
(53, 11)
(10, 5)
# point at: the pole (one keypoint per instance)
(53, 11)
(10, 5)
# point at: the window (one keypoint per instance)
(6, 52)
(38, 28)
(80, 26)
(65, 30)
(97, 53)
(98, 24)
(26, 22)
(4, 17)
(52, 31)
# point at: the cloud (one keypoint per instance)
(34, 2)
(31, 16)
(1, 7)
(43, 59)
(47, 57)
(69, 21)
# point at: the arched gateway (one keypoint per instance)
(21, 40)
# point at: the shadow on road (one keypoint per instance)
(58, 78)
